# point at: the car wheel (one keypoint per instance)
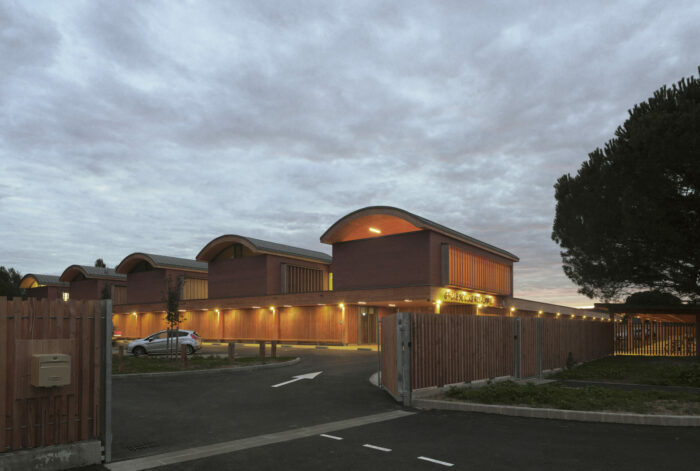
(190, 350)
(138, 351)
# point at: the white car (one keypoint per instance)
(158, 343)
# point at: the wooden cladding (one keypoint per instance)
(472, 271)
(457, 348)
(118, 294)
(33, 417)
(195, 288)
(448, 349)
(388, 361)
(301, 279)
(294, 324)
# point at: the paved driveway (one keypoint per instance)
(158, 414)
(252, 425)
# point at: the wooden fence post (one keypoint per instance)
(403, 356)
(183, 353)
(231, 351)
(261, 349)
(106, 380)
(273, 349)
(120, 366)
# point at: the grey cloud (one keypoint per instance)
(157, 126)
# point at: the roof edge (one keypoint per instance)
(124, 264)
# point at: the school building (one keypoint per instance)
(384, 260)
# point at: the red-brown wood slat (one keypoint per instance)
(72, 404)
(18, 406)
(84, 397)
(96, 366)
(4, 382)
(388, 354)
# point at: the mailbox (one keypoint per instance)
(50, 369)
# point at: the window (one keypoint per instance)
(65, 296)
(302, 279)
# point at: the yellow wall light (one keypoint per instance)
(375, 230)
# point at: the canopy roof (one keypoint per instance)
(377, 221)
(32, 280)
(257, 246)
(90, 272)
(160, 261)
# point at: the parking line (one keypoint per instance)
(374, 447)
(331, 436)
(444, 463)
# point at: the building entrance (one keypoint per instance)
(367, 324)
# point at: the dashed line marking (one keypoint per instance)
(331, 436)
(374, 447)
(444, 463)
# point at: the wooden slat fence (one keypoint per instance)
(388, 359)
(652, 338)
(453, 349)
(450, 349)
(33, 417)
(585, 340)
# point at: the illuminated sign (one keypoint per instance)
(464, 297)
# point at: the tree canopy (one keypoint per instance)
(9, 282)
(630, 218)
(653, 298)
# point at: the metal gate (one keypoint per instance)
(653, 338)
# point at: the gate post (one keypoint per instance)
(106, 379)
(403, 356)
(517, 357)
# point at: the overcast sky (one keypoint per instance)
(157, 126)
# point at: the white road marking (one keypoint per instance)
(444, 463)
(297, 378)
(197, 453)
(331, 436)
(374, 447)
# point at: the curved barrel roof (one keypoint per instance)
(91, 272)
(258, 246)
(160, 261)
(377, 221)
(42, 280)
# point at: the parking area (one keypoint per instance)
(157, 414)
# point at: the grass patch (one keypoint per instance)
(557, 396)
(637, 370)
(154, 364)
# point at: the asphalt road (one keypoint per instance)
(165, 414)
(476, 442)
(157, 414)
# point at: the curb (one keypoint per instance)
(240, 369)
(560, 414)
